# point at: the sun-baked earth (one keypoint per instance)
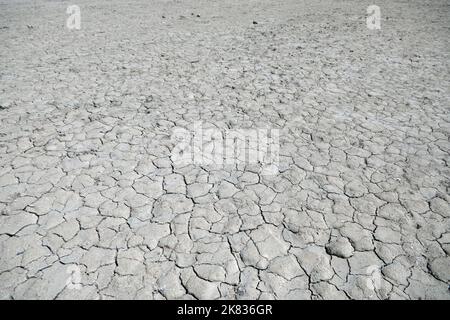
(93, 207)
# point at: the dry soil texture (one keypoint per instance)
(92, 205)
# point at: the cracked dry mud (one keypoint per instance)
(360, 208)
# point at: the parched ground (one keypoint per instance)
(92, 205)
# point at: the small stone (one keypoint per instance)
(340, 248)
